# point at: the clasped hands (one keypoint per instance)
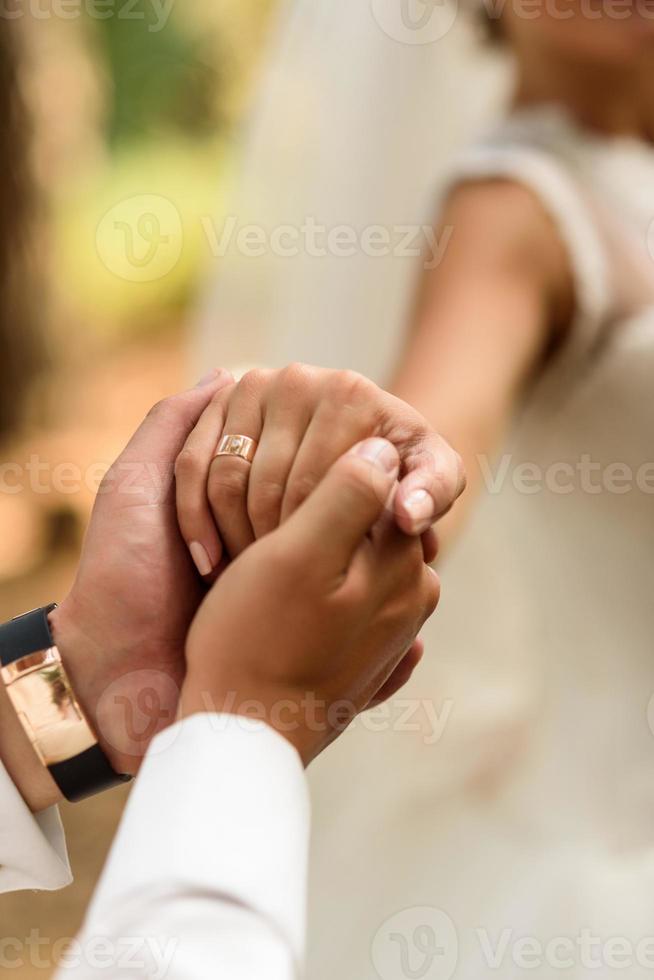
(213, 584)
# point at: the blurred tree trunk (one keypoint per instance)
(20, 348)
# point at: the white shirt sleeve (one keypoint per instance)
(207, 875)
(32, 845)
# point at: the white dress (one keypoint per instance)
(520, 838)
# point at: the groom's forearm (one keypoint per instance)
(208, 871)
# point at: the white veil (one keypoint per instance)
(362, 105)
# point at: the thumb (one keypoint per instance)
(145, 468)
(333, 521)
(163, 432)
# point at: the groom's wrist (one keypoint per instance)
(83, 660)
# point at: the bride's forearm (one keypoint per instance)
(483, 321)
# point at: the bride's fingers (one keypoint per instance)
(345, 415)
(435, 478)
(194, 515)
(285, 423)
(229, 475)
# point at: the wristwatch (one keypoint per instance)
(40, 691)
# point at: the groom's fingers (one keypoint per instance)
(145, 467)
(326, 532)
(163, 432)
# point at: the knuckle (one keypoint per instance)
(301, 487)
(161, 408)
(188, 465)
(351, 386)
(356, 594)
(227, 485)
(265, 501)
(173, 410)
(253, 381)
(296, 376)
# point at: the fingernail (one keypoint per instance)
(200, 556)
(208, 378)
(420, 507)
(380, 453)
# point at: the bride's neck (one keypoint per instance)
(612, 102)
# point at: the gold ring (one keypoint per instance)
(234, 445)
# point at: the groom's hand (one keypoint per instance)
(303, 419)
(121, 631)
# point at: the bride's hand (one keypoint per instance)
(304, 644)
(303, 419)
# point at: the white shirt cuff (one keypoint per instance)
(220, 806)
(32, 845)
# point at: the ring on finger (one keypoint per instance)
(237, 445)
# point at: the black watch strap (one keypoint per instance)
(86, 774)
(82, 775)
(25, 634)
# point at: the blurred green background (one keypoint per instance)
(165, 95)
(136, 124)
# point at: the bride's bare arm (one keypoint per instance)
(485, 319)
